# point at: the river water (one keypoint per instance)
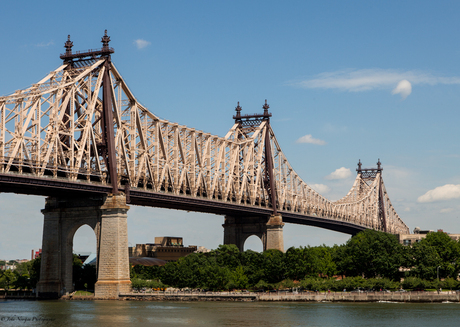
(144, 313)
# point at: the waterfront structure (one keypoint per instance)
(165, 248)
(418, 235)
(81, 138)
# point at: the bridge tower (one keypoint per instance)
(269, 229)
(368, 176)
(105, 214)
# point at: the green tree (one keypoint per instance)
(448, 252)
(253, 263)
(35, 271)
(261, 285)
(450, 283)
(238, 278)
(274, 269)
(426, 260)
(226, 256)
(297, 263)
(373, 254)
(7, 279)
(322, 261)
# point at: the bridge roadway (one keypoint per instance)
(61, 187)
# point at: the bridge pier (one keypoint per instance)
(274, 238)
(270, 231)
(107, 216)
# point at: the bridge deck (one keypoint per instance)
(61, 187)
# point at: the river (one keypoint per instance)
(144, 313)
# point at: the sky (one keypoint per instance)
(345, 81)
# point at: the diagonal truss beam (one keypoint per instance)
(58, 128)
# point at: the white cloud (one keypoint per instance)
(446, 210)
(407, 209)
(320, 188)
(370, 79)
(44, 45)
(340, 173)
(404, 88)
(446, 192)
(140, 44)
(309, 139)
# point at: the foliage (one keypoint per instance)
(370, 260)
(7, 279)
(139, 284)
(373, 254)
(437, 249)
(309, 261)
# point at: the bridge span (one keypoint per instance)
(81, 138)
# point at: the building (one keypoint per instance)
(167, 248)
(202, 249)
(35, 254)
(409, 239)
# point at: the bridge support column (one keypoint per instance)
(113, 261)
(274, 233)
(107, 216)
(238, 229)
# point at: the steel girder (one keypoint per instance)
(54, 129)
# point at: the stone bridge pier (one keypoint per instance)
(107, 216)
(268, 229)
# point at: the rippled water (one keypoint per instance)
(140, 313)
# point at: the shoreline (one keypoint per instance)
(279, 296)
(409, 297)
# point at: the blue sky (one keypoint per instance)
(345, 80)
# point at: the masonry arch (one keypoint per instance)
(84, 241)
(254, 243)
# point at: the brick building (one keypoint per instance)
(167, 248)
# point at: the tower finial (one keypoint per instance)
(105, 41)
(238, 110)
(68, 46)
(379, 165)
(359, 165)
(265, 107)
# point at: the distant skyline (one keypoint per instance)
(344, 80)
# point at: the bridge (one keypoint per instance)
(81, 138)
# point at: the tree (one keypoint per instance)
(253, 263)
(7, 279)
(447, 253)
(238, 278)
(227, 256)
(297, 263)
(34, 271)
(373, 254)
(426, 261)
(322, 263)
(274, 270)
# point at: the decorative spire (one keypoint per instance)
(105, 41)
(359, 165)
(265, 107)
(379, 165)
(238, 110)
(68, 46)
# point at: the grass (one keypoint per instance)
(83, 293)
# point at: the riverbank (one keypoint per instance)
(277, 296)
(416, 297)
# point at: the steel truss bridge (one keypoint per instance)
(81, 131)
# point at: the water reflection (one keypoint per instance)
(139, 313)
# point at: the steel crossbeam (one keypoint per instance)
(53, 132)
